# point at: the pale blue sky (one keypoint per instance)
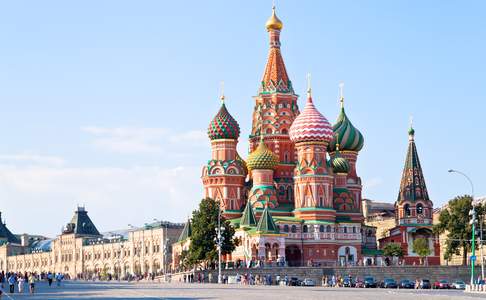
(106, 103)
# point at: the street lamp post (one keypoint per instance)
(473, 221)
(219, 242)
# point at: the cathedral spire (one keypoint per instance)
(412, 185)
(275, 78)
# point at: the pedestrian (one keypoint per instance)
(21, 284)
(11, 283)
(49, 278)
(59, 279)
(32, 281)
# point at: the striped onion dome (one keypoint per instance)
(262, 158)
(339, 163)
(350, 138)
(310, 125)
(223, 126)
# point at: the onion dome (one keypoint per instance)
(346, 135)
(310, 125)
(223, 126)
(262, 158)
(339, 164)
(274, 23)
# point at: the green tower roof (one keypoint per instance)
(412, 185)
(248, 218)
(339, 163)
(266, 223)
(186, 232)
(346, 135)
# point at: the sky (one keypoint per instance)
(106, 103)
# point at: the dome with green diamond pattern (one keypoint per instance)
(223, 126)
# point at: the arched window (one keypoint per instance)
(354, 229)
(293, 229)
(284, 131)
(345, 229)
(305, 229)
(321, 228)
(420, 209)
(328, 228)
(407, 210)
(286, 228)
(269, 131)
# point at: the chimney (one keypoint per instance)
(24, 240)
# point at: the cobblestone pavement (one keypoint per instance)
(179, 291)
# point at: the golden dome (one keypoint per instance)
(274, 22)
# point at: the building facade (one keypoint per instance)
(82, 251)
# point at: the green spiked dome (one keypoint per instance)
(248, 218)
(266, 223)
(350, 138)
(262, 158)
(186, 232)
(223, 126)
(339, 163)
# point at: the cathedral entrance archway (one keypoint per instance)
(293, 256)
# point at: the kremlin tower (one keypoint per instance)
(413, 210)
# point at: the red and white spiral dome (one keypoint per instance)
(310, 126)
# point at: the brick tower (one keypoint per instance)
(224, 175)
(275, 110)
(413, 210)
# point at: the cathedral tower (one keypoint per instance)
(224, 175)
(350, 141)
(275, 110)
(311, 133)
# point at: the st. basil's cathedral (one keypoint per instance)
(296, 199)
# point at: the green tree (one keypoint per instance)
(203, 247)
(393, 249)
(454, 220)
(421, 247)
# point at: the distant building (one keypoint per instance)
(82, 251)
(413, 211)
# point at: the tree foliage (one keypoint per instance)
(455, 222)
(421, 247)
(203, 248)
(393, 249)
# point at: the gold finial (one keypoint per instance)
(337, 141)
(222, 92)
(309, 89)
(341, 93)
(274, 22)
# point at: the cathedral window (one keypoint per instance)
(305, 229)
(294, 229)
(286, 228)
(321, 228)
(420, 209)
(407, 210)
(345, 229)
(328, 228)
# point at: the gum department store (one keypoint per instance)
(295, 199)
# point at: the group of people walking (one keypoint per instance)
(19, 280)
